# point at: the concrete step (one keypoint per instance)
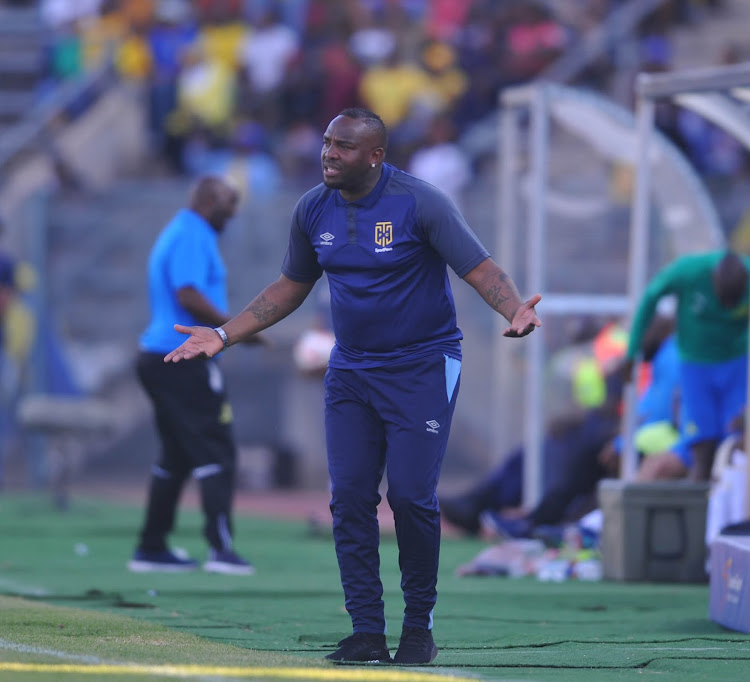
(15, 60)
(20, 21)
(15, 103)
(703, 43)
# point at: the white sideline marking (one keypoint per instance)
(95, 665)
(27, 649)
(21, 589)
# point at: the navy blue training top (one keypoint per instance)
(385, 257)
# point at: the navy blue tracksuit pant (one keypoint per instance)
(395, 418)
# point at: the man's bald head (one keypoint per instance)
(372, 121)
(215, 199)
(730, 280)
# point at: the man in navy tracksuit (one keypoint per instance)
(383, 238)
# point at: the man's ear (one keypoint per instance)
(377, 155)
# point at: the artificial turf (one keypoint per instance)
(67, 569)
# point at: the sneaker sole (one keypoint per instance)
(376, 661)
(227, 569)
(149, 567)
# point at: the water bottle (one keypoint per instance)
(555, 571)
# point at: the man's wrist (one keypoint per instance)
(223, 336)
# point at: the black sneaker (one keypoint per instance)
(227, 562)
(416, 646)
(361, 647)
(166, 561)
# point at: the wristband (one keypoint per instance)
(223, 336)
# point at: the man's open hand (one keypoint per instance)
(525, 319)
(203, 342)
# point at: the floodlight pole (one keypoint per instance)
(536, 256)
(637, 259)
(505, 249)
(536, 100)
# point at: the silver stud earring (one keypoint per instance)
(372, 165)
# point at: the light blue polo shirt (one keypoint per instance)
(186, 253)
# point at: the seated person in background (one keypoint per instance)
(571, 444)
(664, 451)
(581, 455)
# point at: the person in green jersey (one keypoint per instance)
(711, 290)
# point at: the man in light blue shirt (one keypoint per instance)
(187, 285)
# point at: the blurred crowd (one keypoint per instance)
(248, 85)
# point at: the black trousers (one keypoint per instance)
(194, 421)
(578, 471)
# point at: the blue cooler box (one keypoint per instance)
(730, 582)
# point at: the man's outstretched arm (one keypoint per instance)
(497, 288)
(274, 303)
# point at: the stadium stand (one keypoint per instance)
(116, 220)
